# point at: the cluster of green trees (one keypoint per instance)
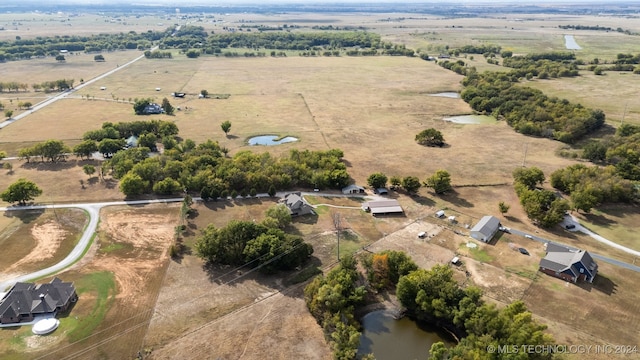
(158, 54)
(531, 66)
(586, 27)
(542, 206)
(187, 37)
(485, 49)
(458, 66)
(21, 191)
(332, 300)
(50, 150)
(13, 86)
(56, 85)
(385, 268)
(591, 186)
(256, 245)
(41, 46)
(430, 137)
(440, 182)
(283, 40)
(434, 297)
(528, 110)
(621, 150)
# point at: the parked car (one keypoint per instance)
(504, 229)
(422, 235)
(528, 236)
(523, 251)
(569, 226)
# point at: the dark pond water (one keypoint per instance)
(391, 339)
(270, 140)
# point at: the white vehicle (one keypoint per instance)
(528, 236)
(422, 235)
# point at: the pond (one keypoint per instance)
(447, 94)
(391, 339)
(471, 119)
(271, 140)
(570, 43)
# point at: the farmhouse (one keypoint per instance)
(485, 228)
(383, 207)
(26, 300)
(568, 264)
(152, 109)
(297, 205)
(353, 189)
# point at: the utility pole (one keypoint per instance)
(337, 226)
(526, 147)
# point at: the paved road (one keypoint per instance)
(63, 95)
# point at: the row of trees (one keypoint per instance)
(621, 151)
(440, 182)
(542, 206)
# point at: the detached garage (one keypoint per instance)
(485, 228)
(383, 207)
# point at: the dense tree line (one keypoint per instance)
(592, 186)
(157, 54)
(542, 68)
(621, 150)
(528, 110)
(434, 297)
(50, 150)
(542, 206)
(457, 66)
(42, 46)
(254, 245)
(596, 28)
(13, 86)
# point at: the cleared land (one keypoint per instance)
(371, 108)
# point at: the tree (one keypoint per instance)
(21, 191)
(395, 181)
(272, 191)
(52, 150)
(140, 105)
(3, 154)
(440, 182)
(503, 207)
(167, 186)
(530, 177)
(411, 184)
(85, 149)
(148, 140)
(430, 137)
(98, 57)
(8, 113)
(226, 127)
(377, 180)
(192, 54)
(108, 147)
(204, 93)
(60, 58)
(280, 213)
(8, 166)
(132, 184)
(167, 107)
(89, 170)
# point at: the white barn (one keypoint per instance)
(485, 228)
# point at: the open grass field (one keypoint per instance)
(132, 298)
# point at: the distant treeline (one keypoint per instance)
(46, 86)
(596, 28)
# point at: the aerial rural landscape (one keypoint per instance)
(307, 180)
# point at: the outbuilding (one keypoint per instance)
(353, 189)
(485, 229)
(383, 207)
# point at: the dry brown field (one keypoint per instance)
(371, 108)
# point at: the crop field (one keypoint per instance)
(132, 297)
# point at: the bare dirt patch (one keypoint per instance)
(48, 237)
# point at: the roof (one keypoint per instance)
(29, 298)
(352, 187)
(561, 258)
(487, 226)
(383, 206)
(294, 200)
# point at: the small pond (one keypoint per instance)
(270, 140)
(471, 119)
(391, 339)
(570, 43)
(447, 94)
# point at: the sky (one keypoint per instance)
(263, 2)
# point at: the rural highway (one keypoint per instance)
(63, 95)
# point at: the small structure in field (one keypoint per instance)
(568, 264)
(382, 191)
(297, 205)
(383, 207)
(440, 213)
(485, 228)
(25, 301)
(353, 189)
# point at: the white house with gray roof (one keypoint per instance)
(485, 228)
(568, 264)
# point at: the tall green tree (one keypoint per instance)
(503, 207)
(530, 177)
(89, 169)
(85, 149)
(440, 182)
(132, 184)
(226, 126)
(430, 137)
(280, 213)
(21, 191)
(377, 180)
(411, 184)
(167, 107)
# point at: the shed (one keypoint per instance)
(382, 191)
(440, 213)
(353, 189)
(383, 207)
(485, 228)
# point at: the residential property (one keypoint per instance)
(297, 205)
(152, 109)
(568, 264)
(485, 229)
(24, 301)
(353, 189)
(383, 207)
(132, 141)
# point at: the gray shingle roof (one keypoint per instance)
(487, 226)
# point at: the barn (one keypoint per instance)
(383, 207)
(485, 228)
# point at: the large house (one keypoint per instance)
(297, 205)
(152, 108)
(568, 264)
(26, 300)
(485, 228)
(383, 207)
